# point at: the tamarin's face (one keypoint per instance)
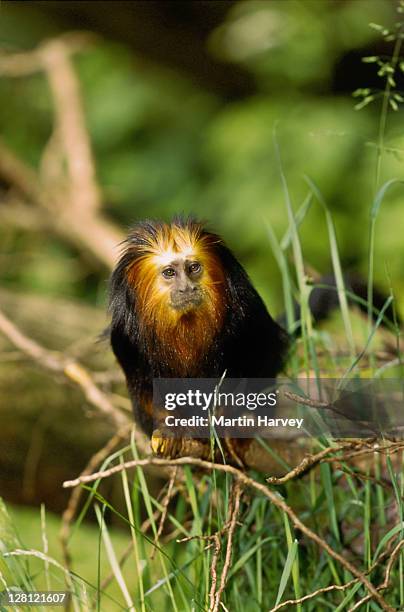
(181, 277)
(175, 272)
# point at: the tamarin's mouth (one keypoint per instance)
(187, 301)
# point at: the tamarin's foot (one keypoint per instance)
(168, 447)
(171, 448)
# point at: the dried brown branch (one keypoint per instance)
(295, 602)
(59, 363)
(309, 462)
(89, 233)
(20, 64)
(213, 570)
(68, 196)
(20, 176)
(247, 481)
(387, 449)
(27, 63)
(390, 564)
(314, 403)
(165, 503)
(70, 126)
(385, 584)
(208, 537)
(15, 213)
(233, 513)
(354, 473)
(332, 587)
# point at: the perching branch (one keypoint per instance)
(247, 481)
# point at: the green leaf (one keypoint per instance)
(380, 196)
(387, 537)
(364, 102)
(393, 104)
(287, 570)
(376, 26)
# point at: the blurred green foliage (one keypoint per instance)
(164, 145)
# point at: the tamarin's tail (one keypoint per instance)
(323, 300)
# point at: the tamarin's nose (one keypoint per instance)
(187, 288)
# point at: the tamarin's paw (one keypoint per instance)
(164, 447)
(171, 448)
(168, 447)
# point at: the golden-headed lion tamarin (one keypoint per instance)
(183, 307)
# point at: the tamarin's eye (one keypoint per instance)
(168, 272)
(195, 267)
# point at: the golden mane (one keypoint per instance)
(187, 335)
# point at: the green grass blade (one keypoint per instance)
(336, 263)
(287, 570)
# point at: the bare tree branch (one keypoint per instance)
(233, 513)
(309, 462)
(247, 481)
(71, 369)
(71, 200)
(71, 127)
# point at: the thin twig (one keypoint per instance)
(328, 589)
(376, 448)
(249, 482)
(309, 462)
(235, 506)
(213, 570)
(313, 403)
(385, 584)
(333, 587)
(71, 369)
(165, 503)
(208, 537)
